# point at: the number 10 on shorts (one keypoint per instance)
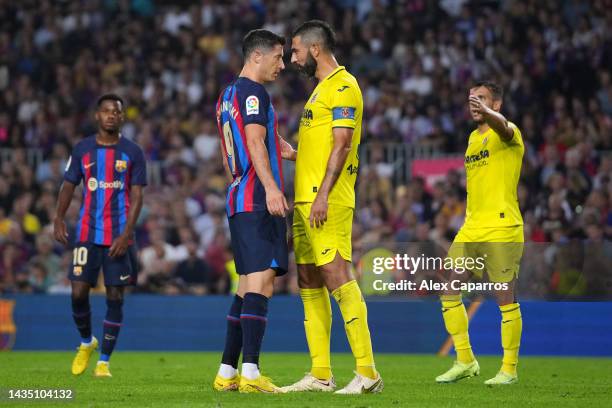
(79, 256)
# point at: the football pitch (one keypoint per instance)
(166, 379)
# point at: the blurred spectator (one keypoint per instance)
(193, 274)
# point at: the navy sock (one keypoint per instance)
(253, 320)
(112, 325)
(81, 313)
(233, 338)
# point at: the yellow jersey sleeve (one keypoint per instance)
(344, 105)
(518, 137)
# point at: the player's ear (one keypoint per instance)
(315, 50)
(257, 55)
(497, 103)
(97, 115)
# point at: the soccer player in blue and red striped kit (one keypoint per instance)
(113, 172)
(256, 207)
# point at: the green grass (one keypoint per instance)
(164, 379)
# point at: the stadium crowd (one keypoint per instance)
(414, 60)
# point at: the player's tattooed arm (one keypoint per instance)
(60, 232)
(287, 151)
(121, 243)
(335, 164)
(495, 120)
(275, 200)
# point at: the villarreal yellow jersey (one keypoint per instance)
(335, 102)
(493, 168)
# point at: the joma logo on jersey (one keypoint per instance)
(483, 154)
(93, 184)
(307, 114)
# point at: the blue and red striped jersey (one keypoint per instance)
(108, 172)
(242, 103)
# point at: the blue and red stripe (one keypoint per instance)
(109, 176)
(83, 226)
(233, 319)
(123, 195)
(99, 193)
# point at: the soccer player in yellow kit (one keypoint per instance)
(493, 230)
(326, 170)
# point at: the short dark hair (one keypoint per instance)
(109, 97)
(497, 91)
(262, 39)
(314, 30)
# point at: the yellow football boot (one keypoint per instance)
(79, 364)
(260, 384)
(102, 370)
(227, 384)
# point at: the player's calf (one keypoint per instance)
(111, 327)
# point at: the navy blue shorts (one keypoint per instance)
(259, 242)
(88, 258)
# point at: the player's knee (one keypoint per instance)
(334, 277)
(259, 282)
(80, 296)
(114, 294)
(80, 290)
(309, 278)
(505, 298)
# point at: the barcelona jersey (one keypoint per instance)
(242, 103)
(107, 172)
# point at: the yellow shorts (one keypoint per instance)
(319, 245)
(497, 251)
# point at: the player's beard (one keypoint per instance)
(479, 121)
(310, 66)
(111, 130)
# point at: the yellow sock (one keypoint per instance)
(317, 324)
(511, 330)
(355, 315)
(456, 322)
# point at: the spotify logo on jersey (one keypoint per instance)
(93, 184)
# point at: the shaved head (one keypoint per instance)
(317, 32)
